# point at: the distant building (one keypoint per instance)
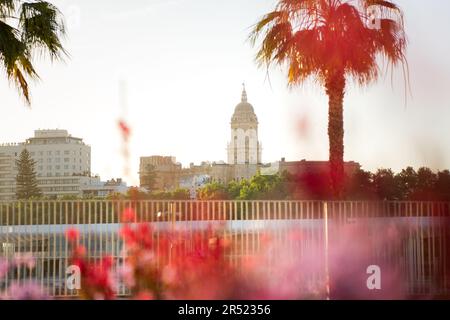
(63, 163)
(97, 188)
(166, 169)
(244, 147)
(244, 153)
(302, 167)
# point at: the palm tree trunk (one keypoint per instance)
(335, 89)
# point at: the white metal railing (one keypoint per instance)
(38, 228)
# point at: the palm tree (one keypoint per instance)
(332, 41)
(28, 28)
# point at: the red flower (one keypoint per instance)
(72, 234)
(145, 295)
(128, 215)
(124, 128)
(107, 262)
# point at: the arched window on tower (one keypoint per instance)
(247, 150)
(235, 149)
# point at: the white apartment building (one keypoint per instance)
(63, 163)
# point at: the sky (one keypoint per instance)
(179, 66)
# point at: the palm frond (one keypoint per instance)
(39, 28)
(42, 27)
(327, 36)
(7, 7)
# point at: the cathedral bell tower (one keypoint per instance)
(244, 147)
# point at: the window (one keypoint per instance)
(235, 150)
(49, 167)
(67, 152)
(247, 150)
(66, 167)
(58, 167)
(49, 153)
(66, 160)
(58, 153)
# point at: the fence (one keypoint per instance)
(420, 252)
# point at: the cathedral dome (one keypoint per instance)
(244, 115)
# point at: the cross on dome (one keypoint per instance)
(244, 93)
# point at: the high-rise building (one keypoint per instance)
(63, 163)
(244, 157)
(244, 147)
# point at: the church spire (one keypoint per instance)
(244, 93)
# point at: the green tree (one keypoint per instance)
(332, 41)
(213, 191)
(361, 186)
(271, 187)
(134, 193)
(408, 180)
(386, 185)
(442, 186)
(28, 28)
(426, 183)
(181, 194)
(234, 189)
(26, 181)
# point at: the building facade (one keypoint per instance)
(244, 153)
(244, 157)
(102, 189)
(244, 147)
(299, 168)
(166, 173)
(63, 163)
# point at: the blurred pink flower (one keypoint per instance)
(4, 267)
(26, 291)
(25, 259)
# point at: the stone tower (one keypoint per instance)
(244, 147)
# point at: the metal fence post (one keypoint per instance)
(327, 271)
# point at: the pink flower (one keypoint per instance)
(26, 291)
(126, 273)
(4, 267)
(25, 259)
